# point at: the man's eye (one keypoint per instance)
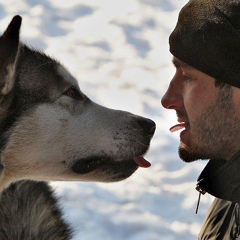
(72, 92)
(186, 78)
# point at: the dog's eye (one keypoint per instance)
(72, 92)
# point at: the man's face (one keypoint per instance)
(206, 113)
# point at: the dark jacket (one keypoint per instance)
(221, 179)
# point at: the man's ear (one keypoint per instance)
(9, 45)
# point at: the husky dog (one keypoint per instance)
(51, 131)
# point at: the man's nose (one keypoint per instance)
(172, 99)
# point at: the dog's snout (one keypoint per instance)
(148, 125)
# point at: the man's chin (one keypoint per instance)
(188, 156)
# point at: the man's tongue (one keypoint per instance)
(141, 162)
(178, 127)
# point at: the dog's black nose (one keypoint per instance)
(148, 125)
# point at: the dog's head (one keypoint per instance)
(50, 130)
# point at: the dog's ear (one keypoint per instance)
(9, 45)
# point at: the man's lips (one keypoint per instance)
(178, 127)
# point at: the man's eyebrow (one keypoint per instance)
(177, 63)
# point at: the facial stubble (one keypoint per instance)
(213, 134)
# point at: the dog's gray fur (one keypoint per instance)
(28, 211)
(49, 130)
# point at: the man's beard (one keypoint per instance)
(187, 155)
(215, 133)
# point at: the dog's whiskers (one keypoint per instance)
(46, 63)
(140, 143)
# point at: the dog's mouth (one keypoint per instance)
(87, 165)
(127, 167)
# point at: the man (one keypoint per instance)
(205, 93)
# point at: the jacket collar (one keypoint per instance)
(221, 178)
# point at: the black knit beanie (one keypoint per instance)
(207, 37)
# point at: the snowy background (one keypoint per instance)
(118, 50)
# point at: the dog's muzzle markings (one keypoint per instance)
(87, 165)
(51, 131)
